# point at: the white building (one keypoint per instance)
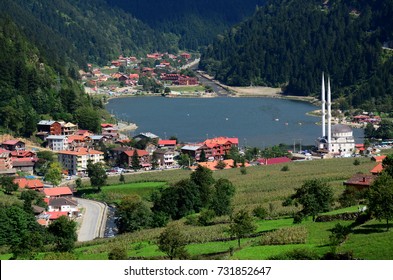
(57, 142)
(338, 140)
(76, 161)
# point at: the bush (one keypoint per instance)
(298, 218)
(260, 212)
(118, 254)
(243, 170)
(282, 236)
(297, 254)
(339, 234)
(206, 216)
(285, 168)
(356, 162)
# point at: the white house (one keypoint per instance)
(57, 142)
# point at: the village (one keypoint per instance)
(119, 153)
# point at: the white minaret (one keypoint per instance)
(329, 113)
(323, 106)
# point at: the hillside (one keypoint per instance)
(82, 31)
(288, 43)
(194, 23)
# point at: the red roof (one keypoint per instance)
(107, 125)
(57, 214)
(220, 141)
(81, 152)
(30, 184)
(167, 142)
(377, 169)
(11, 142)
(277, 160)
(378, 158)
(57, 191)
(140, 153)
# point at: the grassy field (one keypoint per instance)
(262, 185)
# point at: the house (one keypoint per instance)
(31, 184)
(68, 128)
(49, 127)
(75, 141)
(220, 146)
(194, 151)
(76, 160)
(185, 55)
(57, 192)
(360, 181)
(83, 132)
(13, 145)
(269, 161)
(144, 158)
(378, 158)
(63, 204)
(170, 144)
(23, 154)
(6, 166)
(377, 169)
(57, 142)
(165, 157)
(24, 164)
(111, 132)
(145, 135)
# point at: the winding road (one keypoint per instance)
(93, 219)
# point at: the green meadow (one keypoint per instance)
(274, 238)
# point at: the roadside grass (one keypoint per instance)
(187, 88)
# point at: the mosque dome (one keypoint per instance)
(341, 128)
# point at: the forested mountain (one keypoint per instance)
(31, 89)
(83, 30)
(289, 43)
(195, 23)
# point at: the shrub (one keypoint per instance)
(243, 170)
(356, 162)
(260, 212)
(282, 236)
(297, 254)
(339, 234)
(118, 254)
(206, 216)
(285, 168)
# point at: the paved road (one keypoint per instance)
(93, 219)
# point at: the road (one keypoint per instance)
(93, 219)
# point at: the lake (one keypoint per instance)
(256, 121)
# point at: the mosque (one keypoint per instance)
(338, 140)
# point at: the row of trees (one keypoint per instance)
(183, 198)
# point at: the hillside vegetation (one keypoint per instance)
(289, 43)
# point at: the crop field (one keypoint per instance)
(265, 186)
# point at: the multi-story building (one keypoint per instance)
(76, 161)
(57, 142)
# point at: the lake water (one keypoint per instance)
(257, 122)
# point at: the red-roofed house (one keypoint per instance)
(167, 143)
(32, 184)
(13, 145)
(360, 181)
(269, 161)
(144, 159)
(56, 215)
(57, 192)
(24, 164)
(75, 161)
(378, 158)
(377, 169)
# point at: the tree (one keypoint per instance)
(202, 157)
(97, 174)
(380, 198)
(221, 165)
(387, 164)
(172, 242)
(184, 160)
(314, 195)
(78, 183)
(203, 178)
(154, 161)
(222, 194)
(8, 185)
(135, 163)
(133, 214)
(178, 200)
(54, 173)
(122, 179)
(242, 224)
(64, 231)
